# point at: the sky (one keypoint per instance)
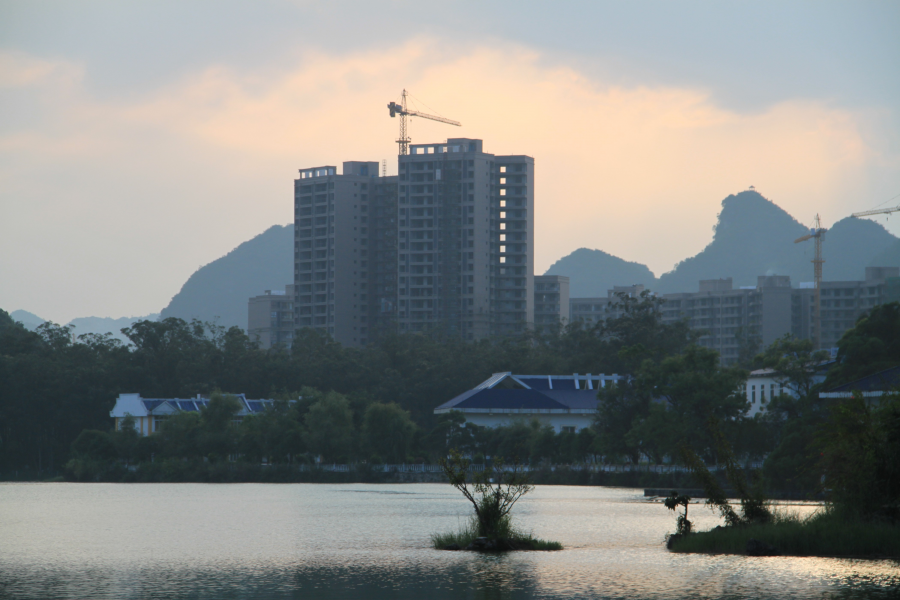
(141, 140)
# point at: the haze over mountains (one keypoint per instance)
(84, 325)
(752, 237)
(219, 291)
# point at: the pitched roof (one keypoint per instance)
(136, 406)
(871, 385)
(531, 394)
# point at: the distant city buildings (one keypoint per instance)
(270, 318)
(447, 245)
(757, 315)
(551, 300)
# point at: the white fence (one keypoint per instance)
(591, 467)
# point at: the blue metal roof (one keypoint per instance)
(510, 399)
(150, 405)
(879, 382)
(505, 391)
(186, 404)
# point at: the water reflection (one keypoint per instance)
(323, 541)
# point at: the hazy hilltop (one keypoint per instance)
(30, 320)
(101, 325)
(219, 291)
(889, 257)
(753, 236)
(98, 325)
(593, 272)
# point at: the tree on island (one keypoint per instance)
(493, 492)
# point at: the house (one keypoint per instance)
(149, 413)
(568, 403)
(872, 386)
(764, 385)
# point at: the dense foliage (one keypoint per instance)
(376, 404)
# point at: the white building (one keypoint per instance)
(149, 413)
(565, 402)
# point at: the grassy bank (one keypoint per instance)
(824, 533)
(510, 539)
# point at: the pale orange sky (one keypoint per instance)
(113, 197)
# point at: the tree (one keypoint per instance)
(388, 431)
(218, 436)
(665, 404)
(794, 362)
(860, 455)
(682, 525)
(492, 492)
(873, 345)
(329, 427)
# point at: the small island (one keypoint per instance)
(492, 492)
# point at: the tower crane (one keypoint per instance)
(818, 234)
(400, 109)
(877, 211)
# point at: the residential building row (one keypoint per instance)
(730, 318)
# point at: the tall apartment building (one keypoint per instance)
(331, 250)
(270, 318)
(730, 317)
(446, 244)
(465, 257)
(551, 299)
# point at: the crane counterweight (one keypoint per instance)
(401, 109)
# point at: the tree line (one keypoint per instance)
(376, 403)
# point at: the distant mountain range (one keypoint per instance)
(84, 325)
(752, 237)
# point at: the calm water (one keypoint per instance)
(371, 541)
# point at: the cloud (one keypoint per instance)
(122, 199)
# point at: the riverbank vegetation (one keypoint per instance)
(370, 406)
(858, 450)
(824, 533)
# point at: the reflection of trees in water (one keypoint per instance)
(478, 577)
(450, 576)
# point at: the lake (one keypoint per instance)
(197, 541)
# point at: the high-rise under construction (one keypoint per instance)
(446, 245)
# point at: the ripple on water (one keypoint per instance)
(372, 541)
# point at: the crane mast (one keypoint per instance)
(401, 109)
(817, 234)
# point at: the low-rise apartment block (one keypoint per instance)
(755, 316)
(551, 300)
(270, 318)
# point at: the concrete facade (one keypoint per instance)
(730, 318)
(331, 242)
(270, 318)
(551, 300)
(465, 257)
(446, 244)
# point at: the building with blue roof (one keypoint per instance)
(565, 402)
(871, 386)
(149, 413)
